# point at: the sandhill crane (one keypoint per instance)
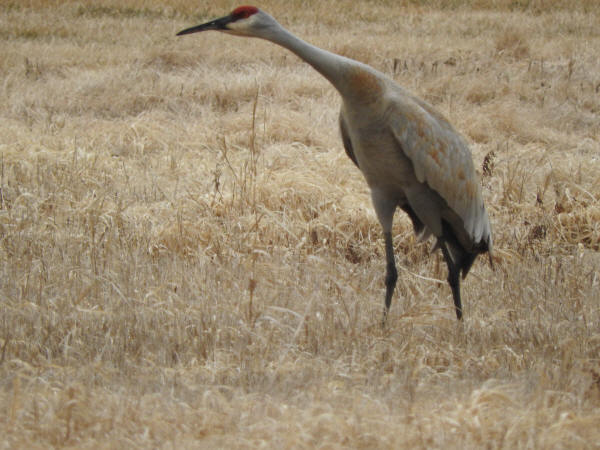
(409, 154)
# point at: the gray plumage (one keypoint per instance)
(409, 154)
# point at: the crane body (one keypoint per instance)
(408, 153)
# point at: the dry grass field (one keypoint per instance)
(188, 259)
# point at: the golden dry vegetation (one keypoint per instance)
(189, 260)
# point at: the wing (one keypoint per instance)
(441, 158)
(346, 140)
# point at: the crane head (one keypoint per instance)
(243, 21)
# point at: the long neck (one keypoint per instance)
(334, 67)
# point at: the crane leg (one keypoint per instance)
(453, 279)
(391, 275)
(385, 205)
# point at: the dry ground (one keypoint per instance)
(188, 259)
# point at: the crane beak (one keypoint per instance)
(217, 24)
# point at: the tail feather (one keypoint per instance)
(461, 257)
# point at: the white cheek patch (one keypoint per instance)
(242, 25)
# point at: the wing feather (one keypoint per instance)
(441, 158)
